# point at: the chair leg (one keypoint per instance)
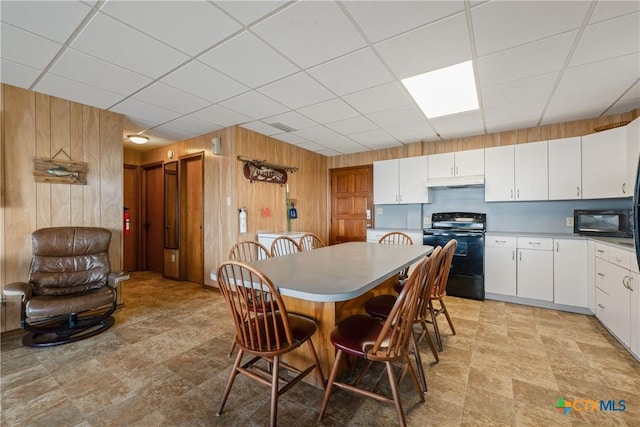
(396, 394)
(446, 313)
(414, 377)
(434, 322)
(274, 390)
(232, 377)
(319, 373)
(327, 390)
(425, 333)
(233, 347)
(416, 353)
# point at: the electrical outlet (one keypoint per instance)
(569, 221)
(228, 201)
(426, 222)
(173, 258)
(378, 211)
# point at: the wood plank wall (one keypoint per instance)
(520, 136)
(223, 178)
(34, 124)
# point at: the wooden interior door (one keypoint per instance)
(191, 179)
(351, 198)
(131, 238)
(153, 227)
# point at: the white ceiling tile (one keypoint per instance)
(315, 133)
(76, 91)
(144, 111)
(382, 19)
(329, 153)
(457, 125)
(126, 47)
(521, 123)
(310, 32)
(342, 144)
(220, 116)
(16, 74)
(185, 25)
(372, 137)
(171, 133)
(620, 69)
(311, 146)
(410, 129)
(25, 48)
(262, 128)
(423, 49)
(353, 72)
(248, 11)
(379, 98)
(329, 111)
(630, 101)
(55, 20)
(608, 39)
(291, 138)
(76, 65)
(296, 91)
(611, 9)
(249, 60)
(136, 125)
(499, 25)
(199, 80)
(566, 116)
(395, 116)
(518, 90)
(528, 60)
(412, 139)
(530, 109)
(170, 98)
(190, 124)
(588, 100)
(255, 105)
(352, 125)
(292, 119)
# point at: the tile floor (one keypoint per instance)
(165, 363)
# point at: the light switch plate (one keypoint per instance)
(378, 211)
(569, 221)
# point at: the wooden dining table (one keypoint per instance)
(331, 283)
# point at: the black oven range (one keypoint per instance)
(466, 278)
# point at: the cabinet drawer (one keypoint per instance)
(540, 243)
(619, 257)
(602, 251)
(603, 306)
(500, 241)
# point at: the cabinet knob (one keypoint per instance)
(577, 191)
(624, 188)
(601, 306)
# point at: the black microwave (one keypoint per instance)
(607, 223)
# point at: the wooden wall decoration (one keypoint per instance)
(260, 170)
(56, 171)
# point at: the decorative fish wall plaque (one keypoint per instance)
(56, 171)
(260, 170)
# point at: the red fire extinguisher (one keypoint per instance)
(127, 221)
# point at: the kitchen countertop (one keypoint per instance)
(626, 243)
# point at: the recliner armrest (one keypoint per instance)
(117, 277)
(23, 289)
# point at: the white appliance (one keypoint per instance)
(267, 238)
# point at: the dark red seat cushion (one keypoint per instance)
(356, 334)
(380, 306)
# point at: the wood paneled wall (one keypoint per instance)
(37, 125)
(541, 133)
(223, 179)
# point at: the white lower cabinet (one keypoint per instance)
(570, 272)
(500, 265)
(635, 313)
(535, 268)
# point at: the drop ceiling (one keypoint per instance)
(328, 71)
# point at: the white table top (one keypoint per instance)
(339, 272)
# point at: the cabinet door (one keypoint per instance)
(565, 169)
(441, 165)
(385, 182)
(591, 275)
(570, 272)
(604, 165)
(469, 163)
(500, 270)
(535, 274)
(633, 152)
(531, 171)
(613, 299)
(413, 176)
(634, 283)
(498, 174)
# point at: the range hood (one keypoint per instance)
(457, 181)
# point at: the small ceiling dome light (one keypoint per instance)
(138, 139)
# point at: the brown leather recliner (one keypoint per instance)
(71, 291)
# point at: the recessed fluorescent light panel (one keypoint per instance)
(449, 90)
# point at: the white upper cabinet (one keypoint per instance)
(604, 165)
(565, 169)
(633, 151)
(400, 181)
(499, 173)
(532, 177)
(458, 164)
(516, 172)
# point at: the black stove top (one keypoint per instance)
(458, 221)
